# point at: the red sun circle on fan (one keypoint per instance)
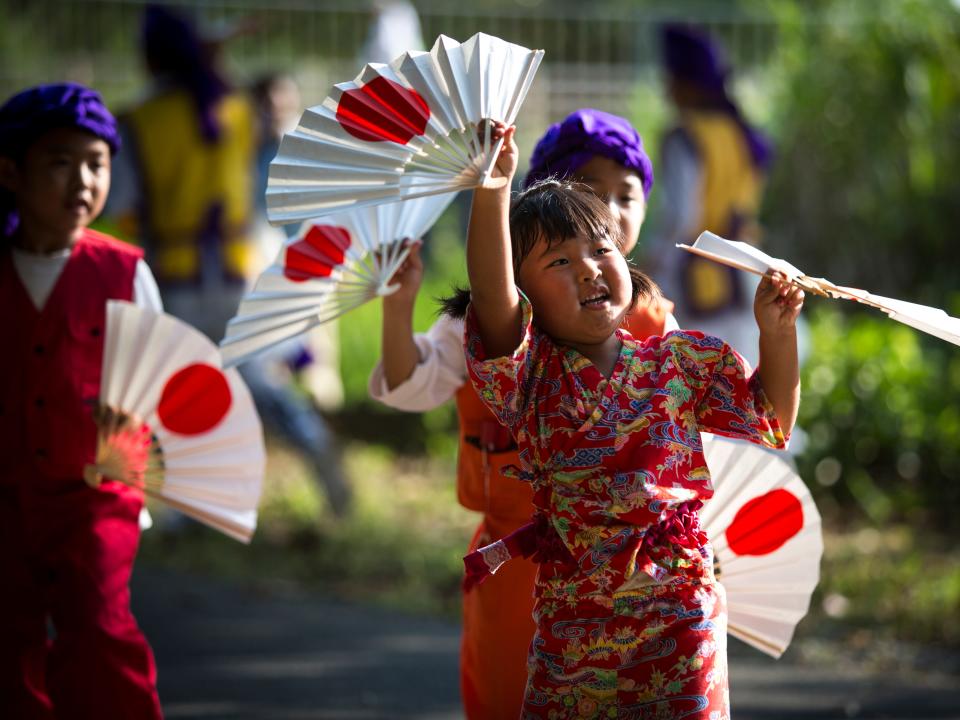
(194, 400)
(321, 250)
(765, 523)
(383, 110)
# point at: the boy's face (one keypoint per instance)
(622, 190)
(61, 184)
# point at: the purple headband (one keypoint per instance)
(29, 114)
(175, 48)
(584, 134)
(690, 54)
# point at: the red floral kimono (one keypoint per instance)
(630, 621)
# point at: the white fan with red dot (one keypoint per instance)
(766, 536)
(199, 447)
(403, 130)
(335, 264)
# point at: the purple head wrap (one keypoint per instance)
(31, 113)
(582, 135)
(175, 50)
(690, 54)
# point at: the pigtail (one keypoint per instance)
(644, 290)
(455, 304)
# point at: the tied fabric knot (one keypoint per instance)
(537, 540)
(680, 528)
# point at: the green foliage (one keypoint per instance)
(894, 582)
(864, 193)
(865, 184)
(880, 405)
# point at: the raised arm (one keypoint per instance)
(399, 351)
(494, 296)
(776, 306)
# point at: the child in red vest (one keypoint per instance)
(66, 549)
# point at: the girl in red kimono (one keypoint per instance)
(420, 372)
(630, 620)
(66, 549)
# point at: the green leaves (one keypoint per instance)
(879, 407)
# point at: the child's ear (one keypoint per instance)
(9, 174)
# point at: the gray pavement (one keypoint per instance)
(226, 651)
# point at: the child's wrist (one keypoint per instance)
(492, 196)
(779, 333)
(398, 305)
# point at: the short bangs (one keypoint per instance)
(557, 210)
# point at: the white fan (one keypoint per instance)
(403, 130)
(332, 266)
(200, 449)
(740, 255)
(766, 536)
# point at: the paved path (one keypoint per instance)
(228, 652)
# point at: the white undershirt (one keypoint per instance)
(39, 275)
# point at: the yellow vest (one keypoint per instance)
(732, 184)
(729, 200)
(184, 178)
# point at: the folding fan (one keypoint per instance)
(199, 447)
(766, 537)
(932, 321)
(415, 127)
(329, 268)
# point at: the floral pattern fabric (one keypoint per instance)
(625, 628)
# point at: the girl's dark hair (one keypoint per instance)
(557, 210)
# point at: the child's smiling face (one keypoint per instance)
(580, 288)
(61, 184)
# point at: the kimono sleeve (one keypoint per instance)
(505, 383)
(729, 399)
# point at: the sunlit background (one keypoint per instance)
(862, 100)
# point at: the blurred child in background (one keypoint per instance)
(184, 189)
(291, 379)
(712, 170)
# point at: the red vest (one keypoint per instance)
(51, 363)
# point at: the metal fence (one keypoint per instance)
(600, 54)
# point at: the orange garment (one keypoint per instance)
(498, 614)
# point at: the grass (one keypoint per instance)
(890, 594)
(402, 544)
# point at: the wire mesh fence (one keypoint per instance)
(600, 54)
